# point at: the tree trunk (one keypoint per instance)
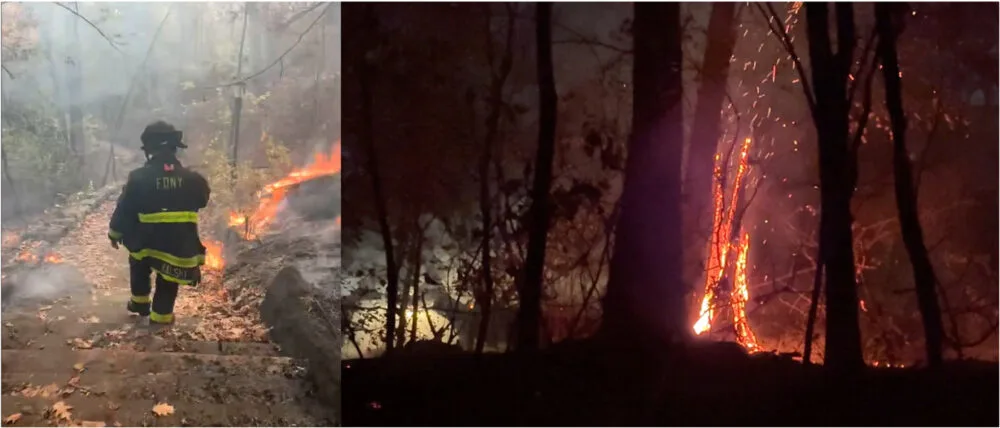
(705, 134)
(529, 312)
(407, 286)
(74, 90)
(366, 137)
(906, 195)
(416, 263)
(237, 110)
(830, 76)
(645, 295)
(499, 79)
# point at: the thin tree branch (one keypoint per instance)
(7, 71)
(94, 26)
(282, 56)
(770, 16)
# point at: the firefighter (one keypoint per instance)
(156, 220)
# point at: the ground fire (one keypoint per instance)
(723, 245)
(271, 196)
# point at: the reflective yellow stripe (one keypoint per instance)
(114, 234)
(161, 318)
(169, 217)
(141, 299)
(173, 279)
(181, 262)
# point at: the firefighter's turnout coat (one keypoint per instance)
(156, 218)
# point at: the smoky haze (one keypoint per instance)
(94, 74)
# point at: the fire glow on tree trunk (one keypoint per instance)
(723, 246)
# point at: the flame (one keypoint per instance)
(273, 194)
(53, 258)
(739, 297)
(213, 255)
(719, 247)
(27, 256)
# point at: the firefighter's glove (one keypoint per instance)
(115, 238)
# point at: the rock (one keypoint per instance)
(299, 327)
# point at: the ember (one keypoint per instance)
(53, 258)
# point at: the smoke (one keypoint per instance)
(42, 284)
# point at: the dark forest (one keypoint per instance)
(634, 214)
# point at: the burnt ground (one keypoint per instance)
(586, 384)
(73, 356)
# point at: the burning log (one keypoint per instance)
(725, 244)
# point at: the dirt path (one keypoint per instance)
(83, 360)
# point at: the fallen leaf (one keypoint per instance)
(163, 409)
(78, 367)
(61, 410)
(44, 308)
(74, 381)
(82, 344)
(9, 324)
(90, 320)
(92, 424)
(44, 391)
(12, 419)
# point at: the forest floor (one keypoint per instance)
(588, 384)
(75, 357)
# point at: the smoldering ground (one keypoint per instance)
(40, 285)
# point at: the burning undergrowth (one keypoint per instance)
(295, 223)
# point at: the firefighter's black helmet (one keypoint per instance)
(161, 135)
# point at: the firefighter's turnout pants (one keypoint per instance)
(162, 301)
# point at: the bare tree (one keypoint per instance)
(498, 79)
(529, 312)
(362, 60)
(831, 110)
(645, 292)
(906, 195)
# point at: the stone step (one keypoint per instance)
(138, 412)
(125, 331)
(182, 377)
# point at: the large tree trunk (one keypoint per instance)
(645, 294)
(830, 75)
(906, 195)
(529, 312)
(705, 134)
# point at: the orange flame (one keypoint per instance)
(718, 251)
(53, 258)
(272, 194)
(27, 256)
(213, 255)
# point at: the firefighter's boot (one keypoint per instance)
(137, 307)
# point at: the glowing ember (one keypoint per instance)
(273, 194)
(27, 256)
(721, 243)
(739, 297)
(213, 255)
(53, 258)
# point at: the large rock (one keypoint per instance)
(301, 323)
